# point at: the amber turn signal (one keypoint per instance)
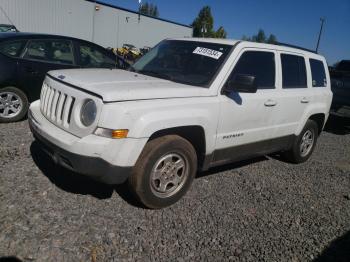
(120, 133)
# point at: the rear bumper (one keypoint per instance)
(94, 167)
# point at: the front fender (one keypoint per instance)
(144, 118)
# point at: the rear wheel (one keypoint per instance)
(304, 144)
(164, 171)
(13, 104)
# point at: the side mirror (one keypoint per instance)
(241, 84)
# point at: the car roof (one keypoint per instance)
(21, 35)
(208, 40)
(278, 46)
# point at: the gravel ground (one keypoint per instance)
(263, 209)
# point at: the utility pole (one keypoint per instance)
(319, 35)
(140, 6)
(93, 22)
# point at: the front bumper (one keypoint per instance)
(81, 155)
(94, 167)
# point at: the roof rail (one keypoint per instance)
(294, 46)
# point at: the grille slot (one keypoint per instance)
(64, 99)
(56, 106)
(67, 106)
(70, 110)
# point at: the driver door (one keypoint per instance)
(246, 125)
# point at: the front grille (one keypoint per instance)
(56, 105)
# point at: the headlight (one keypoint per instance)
(88, 112)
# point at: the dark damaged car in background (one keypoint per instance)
(25, 59)
(340, 78)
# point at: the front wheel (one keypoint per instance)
(164, 171)
(13, 104)
(304, 144)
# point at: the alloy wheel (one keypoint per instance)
(10, 105)
(306, 143)
(169, 174)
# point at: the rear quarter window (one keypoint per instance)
(12, 48)
(318, 73)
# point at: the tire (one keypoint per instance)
(297, 154)
(11, 98)
(159, 165)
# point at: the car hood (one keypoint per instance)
(120, 85)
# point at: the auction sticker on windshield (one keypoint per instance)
(207, 52)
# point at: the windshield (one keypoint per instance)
(187, 62)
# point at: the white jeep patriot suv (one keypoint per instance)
(187, 105)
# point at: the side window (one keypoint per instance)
(54, 51)
(260, 64)
(293, 71)
(37, 50)
(91, 57)
(318, 73)
(62, 52)
(11, 48)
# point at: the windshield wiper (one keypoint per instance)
(131, 69)
(155, 74)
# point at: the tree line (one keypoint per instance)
(149, 9)
(203, 25)
(261, 37)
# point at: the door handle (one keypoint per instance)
(304, 100)
(270, 103)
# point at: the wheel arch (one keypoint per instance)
(320, 121)
(194, 134)
(317, 112)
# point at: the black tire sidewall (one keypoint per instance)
(144, 191)
(25, 106)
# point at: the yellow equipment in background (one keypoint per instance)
(129, 52)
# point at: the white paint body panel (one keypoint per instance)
(120, 85)
(123, 152)
(145, 105)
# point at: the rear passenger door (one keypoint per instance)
(293, 95)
